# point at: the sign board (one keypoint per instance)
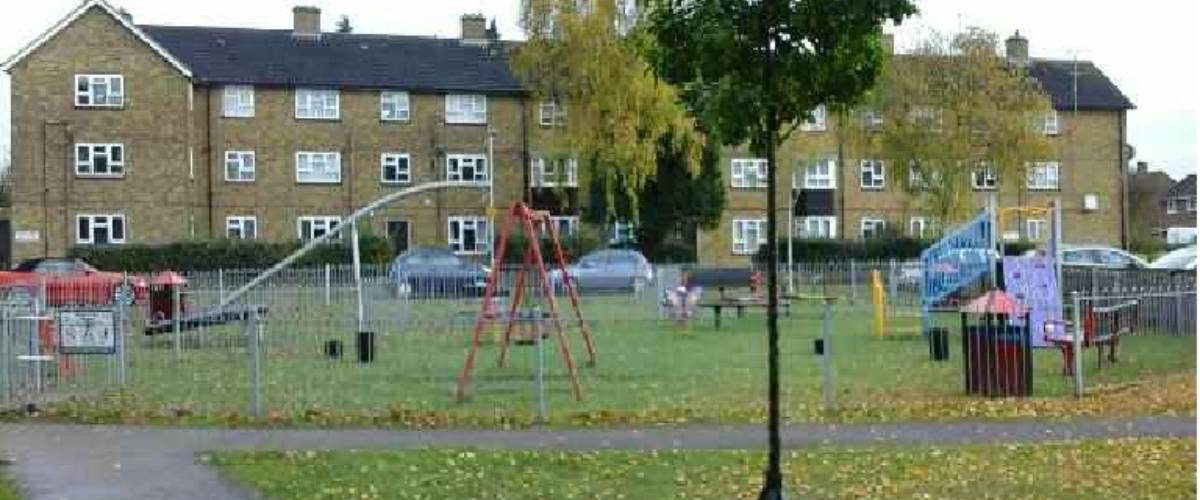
(1034, 282)
(88, 331)
(27, 235)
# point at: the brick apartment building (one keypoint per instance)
(129, 133)
(856, 198)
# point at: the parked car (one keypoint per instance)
(436, 271)
(1105, 257)
(1180, 259)
(608, 270)
(68, 282)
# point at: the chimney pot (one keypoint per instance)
(474, 28)
(306, 22)
(1016, 50)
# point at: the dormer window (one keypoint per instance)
(99, 91)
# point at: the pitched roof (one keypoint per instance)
(1096, 91)
(79, 11)
(276, 57)
(1185, 187)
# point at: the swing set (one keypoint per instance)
(535, 225)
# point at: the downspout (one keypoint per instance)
(1124, 173)
(841, 186)
(208, 163)
(68, 146)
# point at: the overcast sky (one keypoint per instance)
(1149, 48)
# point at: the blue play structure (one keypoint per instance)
(958, 259)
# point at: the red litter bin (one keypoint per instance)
(997, 346)
(163, 287)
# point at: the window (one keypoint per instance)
(1050, 123)
(99, 229)
(99, 91)
(872, 120)
(471, 168)
(872, 228)
(394, 168)
(748, 235)
(817, 227)
(100, 160)
(551, 114)
(926, 117)
(238, 101)
(468, 234)
(983, 178)
(820, 174)
(313, 227)
(393, 106)
(239, 166)
(566, 225)
(1043, 175)
(554, 172)
(1035, 229)
(466, 108)
(241, 227)
(317, 104)
(1181, 204)
(816, 123)
(621, 233)
(748, 172)
(318, 167)
(870, 174)
(919, 227)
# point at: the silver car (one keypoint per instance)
(1112, 258)
(610, 269)
(1182, 259)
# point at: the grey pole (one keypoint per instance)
(826, 369)
(221, 284)
(1077, 343)
(254, 329)
(358, 290)
(119, 331)
(791, 218)
(176, 331)
(327, 284)
(543, 417)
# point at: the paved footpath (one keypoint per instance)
(127, 462)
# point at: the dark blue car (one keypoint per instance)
(436, 272)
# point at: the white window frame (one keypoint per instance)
(393, 106)
(621, 232)
(305, 167)
(741, 245)
(1050, 123)
(983, 177)
(236, 163)
(323, 223)
(570, 222)
(245, 227)
(872, 120)
(551, 114)
(817, 123)
(466, 109)
(402, 175)
(817, 227)
(816, 177)
(101, 220)
(1036, 229)
(237, 101)
(87, 168)
(546, 172)
(918, 226)
(318, 104)
(455, 163)
(1044, 176)
(875, 225)
(748, 173)
(878, 172)
(91, 81)
(475, 222)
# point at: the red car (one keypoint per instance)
(68, 282)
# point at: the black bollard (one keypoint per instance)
(366, 347)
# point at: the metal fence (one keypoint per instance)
(318, 339)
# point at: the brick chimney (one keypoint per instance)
(1016, 50)
(306, 22)
(474, 28)
(1143, 167)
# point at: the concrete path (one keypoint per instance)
(122, 462)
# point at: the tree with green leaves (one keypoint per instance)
(951, 109)
(754, 70)
(586, 57)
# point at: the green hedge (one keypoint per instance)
(891, 248)
(225, 254)
(573, 247)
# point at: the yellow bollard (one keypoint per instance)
(878, 300)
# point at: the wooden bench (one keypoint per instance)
(730, 278)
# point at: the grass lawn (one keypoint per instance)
(8, 488)
(649, 371)
(1136, 468)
